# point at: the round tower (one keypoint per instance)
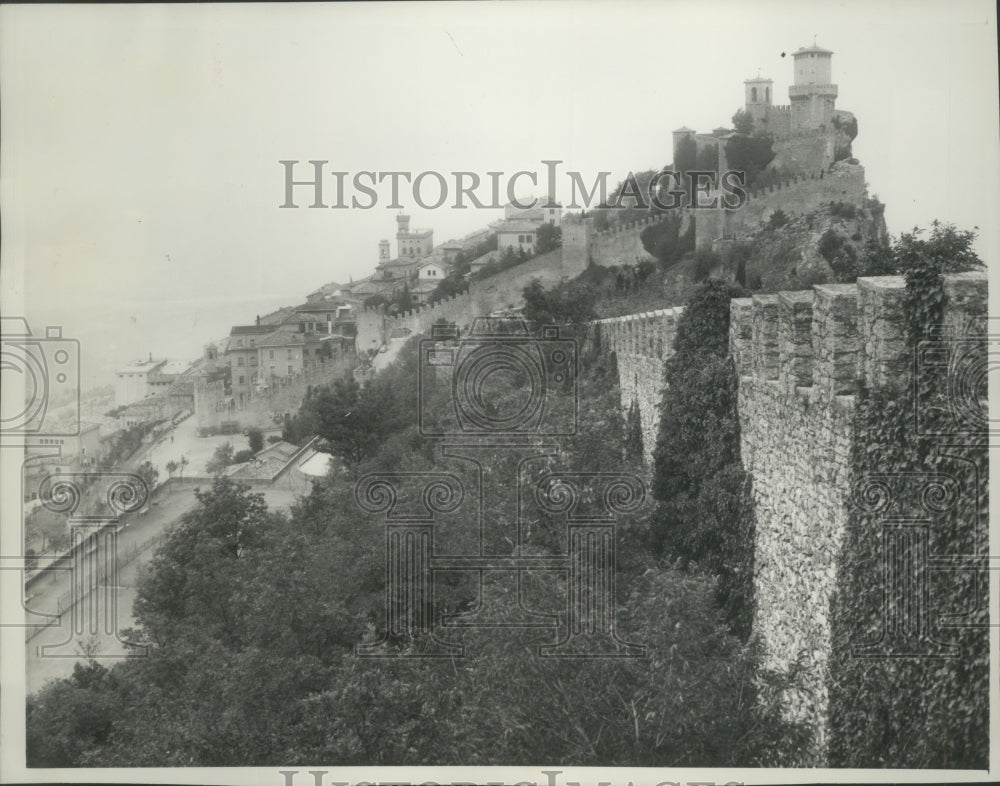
(813, 93)
(758, 98)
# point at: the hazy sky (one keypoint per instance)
(140, 144)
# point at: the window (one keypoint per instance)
(239, 342)
(242, 380)
(270, 354)
(239, 360)
(253, 342)
(289, 371)
(753, 93)
(767, 94)
(253, 360)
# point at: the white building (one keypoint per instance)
(543, 211)
(132, 381)
(517, 235)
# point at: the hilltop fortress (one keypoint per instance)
(812, 167)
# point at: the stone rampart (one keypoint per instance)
(641, 343)
(495, 293)
(801, 357)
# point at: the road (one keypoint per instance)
(46, 592)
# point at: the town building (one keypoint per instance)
(518, 235)
(243, 358)
(412, 243)
(132, 381)
(543, 211)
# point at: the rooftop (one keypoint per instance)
(281, 338)
(517, 226)
(242, 330)
(804, 50)
(141, 367)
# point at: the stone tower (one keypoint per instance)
(383, 251)
(813, 94)
(758, 99)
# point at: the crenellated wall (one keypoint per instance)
(641, 343)
(801, 357)
(496, 293)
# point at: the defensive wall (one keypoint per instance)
(641, 343)
(267, 407)
(496, 293)
(801, 357)
(797, 194)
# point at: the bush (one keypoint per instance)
(778, 219)
(843, 210)
(829, 244)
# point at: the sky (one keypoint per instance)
(140, 180)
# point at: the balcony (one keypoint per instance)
(803, 91)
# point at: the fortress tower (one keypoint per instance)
(758, 99)
(416, 243)
(813, 95)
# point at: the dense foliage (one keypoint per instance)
(251, 619)
(909, 689)
(664, 240)
(703, 515)
(568, 303)
(749, 154)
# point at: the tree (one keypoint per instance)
(698, 477)
(221, 459)
(256, 440)
(548, 238)
(172, 467)
(570, 302)
(148, 473)
(742, 122)
(749, 154)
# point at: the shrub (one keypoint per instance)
(778, 219)
(843, 210)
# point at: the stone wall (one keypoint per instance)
(641, 343)
(798, 195)
(496, 293)
(800, 357)
(265, 408)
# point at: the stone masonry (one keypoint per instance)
(641, 343)
(800, 357)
